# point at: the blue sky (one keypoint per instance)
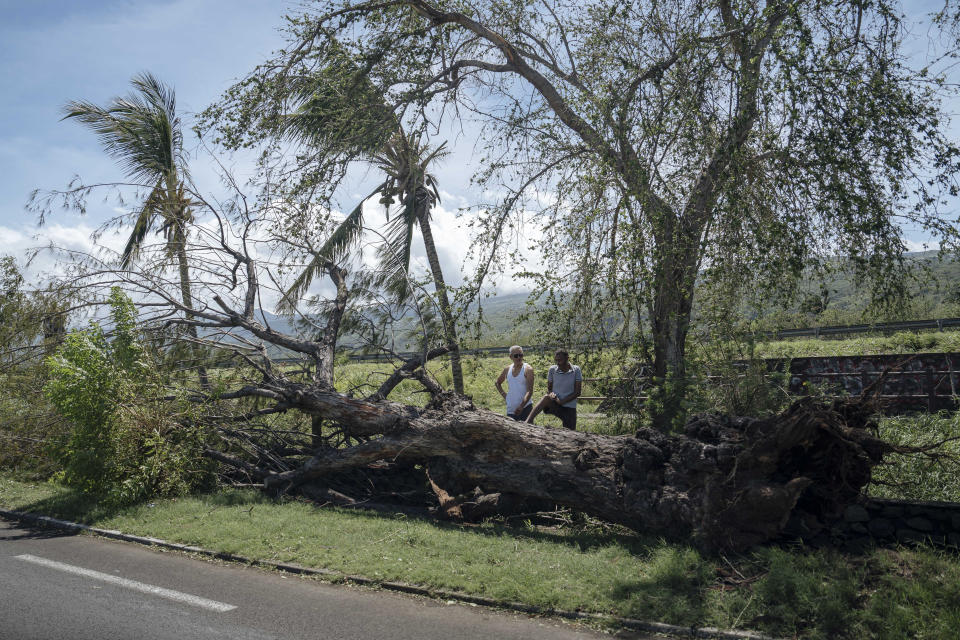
(52, 51)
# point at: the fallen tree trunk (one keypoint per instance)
(725, 483)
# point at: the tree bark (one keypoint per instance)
(324, 357)
(179, 246)
(673, 292)
(446, 313)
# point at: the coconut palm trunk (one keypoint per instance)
(446, 312)
(179, 247)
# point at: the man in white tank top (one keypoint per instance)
(519, 377)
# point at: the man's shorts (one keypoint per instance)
(520, 417)
(567, 415)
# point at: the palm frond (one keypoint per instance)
(151, 209)
(144, 134)
(346, 233)
(141, 130)
(339, 108)
(393, 254)
(334, 249)
(291, 297)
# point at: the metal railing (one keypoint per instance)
(877, 327)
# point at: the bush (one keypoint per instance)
(734, 379)
(124, 445)
(29, 321)
(28, 422)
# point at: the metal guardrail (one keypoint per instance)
(879, 327)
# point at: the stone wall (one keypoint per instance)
(917, 382)
(891, 521)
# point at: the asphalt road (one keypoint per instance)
(55, 585)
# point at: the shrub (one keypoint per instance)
(28, 422)
(734, 378)
(124, 445)
(910, 341)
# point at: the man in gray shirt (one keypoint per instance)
(564, 382)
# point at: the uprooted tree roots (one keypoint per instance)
(727, 483)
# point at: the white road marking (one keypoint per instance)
(196, 601)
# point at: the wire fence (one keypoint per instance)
(535, 348)
(923, 382)
(927, 382)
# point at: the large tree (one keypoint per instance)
(722, 140)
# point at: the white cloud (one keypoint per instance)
(22, 243)
(74, 238)
(10, 238)
(921, 245)
(453, 200)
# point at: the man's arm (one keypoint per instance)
(528, 374)
(577, 386)
(499, 382)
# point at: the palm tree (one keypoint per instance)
(142, 131)
(404, 159)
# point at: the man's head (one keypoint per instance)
(516, 353)
(561, 357)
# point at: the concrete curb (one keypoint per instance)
(440, 594)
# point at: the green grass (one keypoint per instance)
(916, 476)
(900, 342)
(810, 594)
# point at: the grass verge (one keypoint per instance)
(920, 477)
(883, 593)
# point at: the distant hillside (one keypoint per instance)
(933, 292)
(501, 323)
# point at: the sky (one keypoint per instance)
(53, 51)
